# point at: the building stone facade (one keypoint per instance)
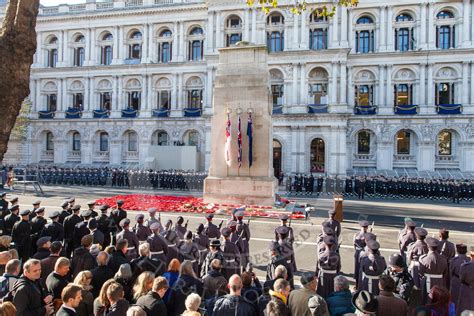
(382, 86)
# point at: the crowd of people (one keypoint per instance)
(87, 261)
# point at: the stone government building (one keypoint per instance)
(385, 86)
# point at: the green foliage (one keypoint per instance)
(20, 130)
(300, 6)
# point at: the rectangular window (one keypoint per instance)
(445, 143)
(164, 99)
(318, 93)
(403, 143)
(364, 95)
(445, 93)
(76, 142)
(318, 39)
(135, 51)
(79, 56)
(77, 101)
(51, 102)
(195, 99)
(403, 95)
(52, 58)
(444, 35)
(104, 142)
(132, 142)
(403, 41)
(105, 101)
(165, 56)
(363, 143)
(277, 95)
(134, 100)
(49, 141)
(106, 55)
(196, 50)
(275, 42)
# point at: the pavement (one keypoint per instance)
(387, 215)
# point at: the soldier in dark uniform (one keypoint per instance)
(97, 236)
(152, 219)
(359, 246)
(91, 205)
(276, 259)
(446, 248)
(407, 238)
(70, 223)
(158, 246)
(71, 202)
(333, 223)
(179, 228)
(284, 220)
(132, 249)
(211, 230)
(21, 235)
(454, 269)
(243, 231)
(117, 216)
(325, 231)
(3, 206)
(105, 224)
(231, 255)
(81, 229)
(215, 252)
(414, 253)
(37, 225)
(433, 269)
(328, 266)
(202, 242)
(286, 250)
(398, 271)
(36, 205)
(64, 212)
(141, 230)
(54, 229)
(372, 267)
(11, 219)
(172, 241)
(189, 251)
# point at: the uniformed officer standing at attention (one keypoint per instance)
(180, 229)
(64, 212)
(407, 238)
(454, 267)
(158, 246)
(152, 219)
(11, 219)
(105, 224)
(81, 229)
(399, 272)
(286, 250)
(21, 235)
(54, 229)
(3, 206)
(446, 248)
(415, 251)
(36, 205)
(210, 229)
(91, 205)
(284, 220)
(117, 216)
(433, 269)
(466, 291)
(333, 223)
(372, 267)
(69, 225)
(202, 243)
(189, 251)
(141, 230)
(243, 231)
(359, 245)
(328, 266)
(132, 249)
(172, 241)
(231, 255)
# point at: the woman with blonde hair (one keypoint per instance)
(5, 242)
(102, 303)
(193, 301)
(86, 307)
(7, 309)
(143, 285)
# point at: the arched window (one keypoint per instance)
(233, 30)
(107, 37)
(365, 30)
(277, 153)
(363, 143)
(196, 44)
(51, 102)
(404, 142)
(79, 50)
(445, 143)
(192, 139)
(52, 52)
(318, 86)
(404, 17)
(160, 138)
(445, 30)
(132, 139)
(134, 100)
(103, 141)
(403, 94)
(445, 93)
(194, 89)
(135, 45)
(106, 50)
(165, 47)
(163, 93)
(76, 141)
(275, 34)
(49, 141)
(318, 31)
(317, 158)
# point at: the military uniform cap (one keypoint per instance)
(329, 240)
(239, 214)
(152, 210)
(42, 241)
(215, 243)
(104, 207)
(139, 216)
(370, 236)
(396, 260)
(120, 202)
(364, 224)
(91, 203)
(328, 231)
(307, 277)
(282, 230)
(38, 202)
(421, 231)
(14, 199)
(283, 217)
(155, 226)
(64, 204)
(461, 248)
(25, 212)
(124, 222)
(39, 210)
(432, 242)
(86, 213)
(407, 219)
(72, 199)
(209, 215)
(92, 224)
(231, 223)
(332, 212)
(373, 244)
(14, 208)
(226, 231)
(410, 223)
(54, 214)
(76, 207)
(188, 235)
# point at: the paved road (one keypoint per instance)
(388, 216)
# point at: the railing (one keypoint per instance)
(130, 155)
(449, 108)
(404, 157)
(101, 113)
(77, 7)
(74, 155)
(53, 10)
(46, 114)
(446, 158)
(192, 112)
(365, 110)
(161, 113)
(73, 113)
(47, 155)
(317, 108)
(129, 113)
(410, 109)
(163, 1)
(104, 5)
(364, 156)
(134, 3)
(101, 156)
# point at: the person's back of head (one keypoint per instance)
(122, 245)
(136, 311)
(192, 303)
(61, 265)
(160, 285)
(386, 283)
(246, 279)
(235, 284)
(144, 249)
(281, 285)
(174, 265)
(13, 267)
(87, 241)
(341, 283)
(102, 258)
(281, 272)
(115, 293)
(56, 247)
(216, 265)
(7, 309)
(187, 269)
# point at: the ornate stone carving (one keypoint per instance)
(427, 131)
(163, 83)
(469, 130)
(446, 73)
(115, 132)
(318, 74)
(194, 81)
(289, 71)
(50, 86)
(276, 74)
(133, 84)
(383, 131)
(104, 84)
(77, 85)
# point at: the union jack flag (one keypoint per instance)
(228, 156)
(239, 144)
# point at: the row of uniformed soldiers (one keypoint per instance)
(381, 186)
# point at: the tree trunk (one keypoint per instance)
(17, 47)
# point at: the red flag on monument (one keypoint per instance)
(228, 137)
(239, 144)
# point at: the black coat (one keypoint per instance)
(152, 304)
(99, 276)
(98, 237)
(80, 230)
(41, 254)
(82, 260)
(116, 260)
(183, 286)
(142, 264)
(28, 298)
(55, 284)
(233, 305)
(53, 230)
(69, 225)
(21, 234)
(119, 309)
(65, 312)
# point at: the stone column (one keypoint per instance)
(88, 49)
(246, 22)
(381, 99)
(389, 93)
(335, 30)
(384, 155)
(88, 98)
(149, 97)
(351, 31)
(295, 33)
(304, 31)
(333, 87)
(467, 163)
(465, 83)
(115, 152)
(60, 150)
(181, 104)
(93, 49)
(344, 30)
(350, 90)
(174, 94)
(390, 34)
(425, 158)
(343, 78)
(120, 105)
(40, 62)
(210, 32)
(472, 85)
(466, 23)
(145, 44)
(254, 26)
(116, 47)
(422, 37)
(143, 152)
(86, 151)
(382, 46)
(209, 86)
(294, 148)
(65, 99)
(421, 89)
(431, 30)
(182, 50)
(175, 44)
(431, 92)
(295, 85)
(303, 87)
(218, 30)
(122, 48)
(61, 48)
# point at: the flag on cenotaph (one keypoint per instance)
(239, 143)
(250, 136)
(228, 138)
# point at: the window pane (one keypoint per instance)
(162, 139)
(403, 143)
(196, 50)
(76, 142)
(364, 42)
(444, 93)
(277, 95)
(403, 94)
(317, 157)
(363, 143)
(319, 93)
(132, 142)
(105, 101)
(77, 101)
(134, 100)
(445, 143)
(195, 99)
(164, 99)
(165, 52)
(104, 142)
(444, 37)
(51, 102)
(364, 96)
(49, 141)
(318, 39)
(403, 40)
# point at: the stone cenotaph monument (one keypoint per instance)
(241, 88)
